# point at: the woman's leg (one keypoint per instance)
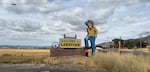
(92, 40)
(86, 42)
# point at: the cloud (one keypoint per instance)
(116, 3)
(19, 25)
(2, 24)
(72, 17)
(26, 32)
(25, 25)
(35, 22)
(130, 15)
(77, 17)
(101, 16)
(24, 6)
(31, 28)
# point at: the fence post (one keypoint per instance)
(119, 47)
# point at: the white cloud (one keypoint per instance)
(23, 6)
(131, 15)
(43, 24)
(115, 3)
(101, 16)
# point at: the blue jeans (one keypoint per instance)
(92, 41)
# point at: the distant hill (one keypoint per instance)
(146, 39)
(21, 46)
(109, 44)
(105, 45)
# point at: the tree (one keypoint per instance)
(116, 42)
(129, 44)
(134, 43)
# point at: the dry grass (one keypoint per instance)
(126, 63)
(138, 49)
(143, 49)
(106, 61)
(23, 55)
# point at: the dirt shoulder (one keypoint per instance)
(43, 68)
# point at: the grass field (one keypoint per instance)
(104, 61)
(139, 49)
(23, 55)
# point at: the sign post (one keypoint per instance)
(119, 49)
(68, 46)
(69, 43)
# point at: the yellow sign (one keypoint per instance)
(69, 43)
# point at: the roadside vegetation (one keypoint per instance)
(104, 61)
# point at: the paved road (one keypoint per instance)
(41, 68)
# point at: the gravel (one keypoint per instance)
(43, 68)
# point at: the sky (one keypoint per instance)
(42, 22)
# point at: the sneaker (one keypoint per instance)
(92, 54)
(86, 57)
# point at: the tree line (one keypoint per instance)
(132, 43)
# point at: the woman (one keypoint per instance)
(91, 35)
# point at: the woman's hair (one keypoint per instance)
(89, 21)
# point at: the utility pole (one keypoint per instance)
(140, 40)
(119, 47)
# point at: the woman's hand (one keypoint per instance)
(86, 37)
(96, 36)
